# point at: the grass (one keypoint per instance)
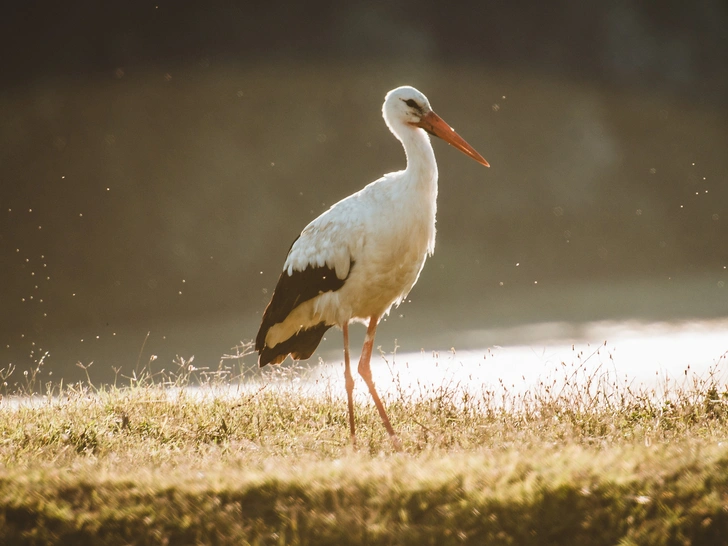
(590, 461)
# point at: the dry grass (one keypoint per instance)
(576, 460)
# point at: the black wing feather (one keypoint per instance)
(300, 346)
(291, 291)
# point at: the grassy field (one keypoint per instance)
(586, 462)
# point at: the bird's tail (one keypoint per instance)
(300, 345)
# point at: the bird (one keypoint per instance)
(364, 254)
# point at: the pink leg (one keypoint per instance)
(366, 372)
(349, 383)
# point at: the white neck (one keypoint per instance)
(419, 179)
(421, 164)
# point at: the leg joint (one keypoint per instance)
(365, 372)
(349, 379)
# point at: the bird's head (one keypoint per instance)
(406, 107)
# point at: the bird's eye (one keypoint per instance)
(412, 104)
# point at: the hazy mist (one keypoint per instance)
(159, 159)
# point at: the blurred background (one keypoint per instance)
(159, 157)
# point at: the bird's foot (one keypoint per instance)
(396, 443)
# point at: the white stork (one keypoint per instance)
(364, 254)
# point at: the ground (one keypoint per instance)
(265, 461)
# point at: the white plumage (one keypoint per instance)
(365, 253)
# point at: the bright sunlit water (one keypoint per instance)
(639, 355)
(636, 354)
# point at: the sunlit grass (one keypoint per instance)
(577, 459)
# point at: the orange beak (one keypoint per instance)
(435, 125)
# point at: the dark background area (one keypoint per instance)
(158, 158)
